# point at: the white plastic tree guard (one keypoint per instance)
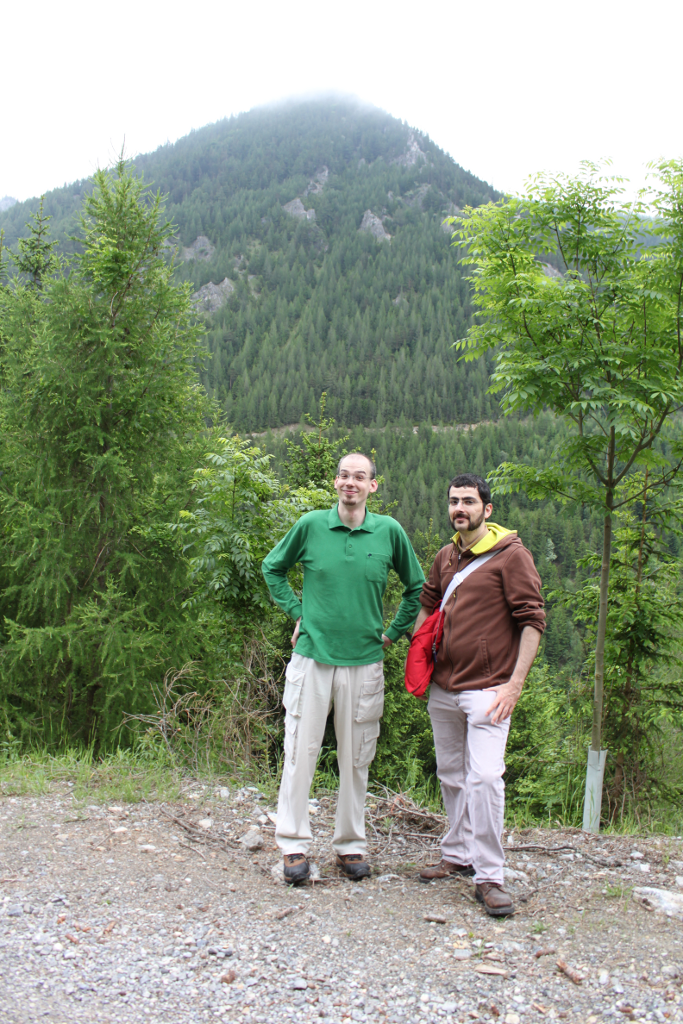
(592, 803)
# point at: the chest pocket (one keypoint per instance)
(376, 567)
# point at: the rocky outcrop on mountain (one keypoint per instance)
(318, 181)
(372, 225)
(211, 297)
(413, 154)
(417, 197)
(296, 208)
(450, 210)
(550, 271)
(201, 249)
(6, 202)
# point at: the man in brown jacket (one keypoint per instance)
(493, 624)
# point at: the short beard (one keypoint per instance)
(472, 525)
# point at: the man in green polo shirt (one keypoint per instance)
(338, 642)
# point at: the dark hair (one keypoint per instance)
(472, 480)
(373, 467)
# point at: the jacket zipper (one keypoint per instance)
(455, 598)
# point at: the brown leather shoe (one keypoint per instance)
(496, 901)
(296, 868)
(445, 868)
(353, 865)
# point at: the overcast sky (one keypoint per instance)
(507, 88)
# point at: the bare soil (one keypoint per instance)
(157, 912)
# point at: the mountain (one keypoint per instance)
(311, 234)
(312, 237)
(6, 202)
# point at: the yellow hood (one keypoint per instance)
(495, 534)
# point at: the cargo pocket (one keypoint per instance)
(294, 682)
(367, 746)
(292, 700)
(371, 698)
(291, 738)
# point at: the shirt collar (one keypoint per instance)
(334, 522)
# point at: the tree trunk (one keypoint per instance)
(595, 770)
(599, 688)
(619, 782)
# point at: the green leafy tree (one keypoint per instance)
(643, 688)
(599, 343)
(239, 515)
(102, 415)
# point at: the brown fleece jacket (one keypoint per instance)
(486, 614)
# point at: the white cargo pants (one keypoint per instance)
(470, 763)
(357, 692)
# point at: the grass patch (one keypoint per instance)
(664, 820)
(618, 891)
(123, 776)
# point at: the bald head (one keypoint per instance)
(357, 456)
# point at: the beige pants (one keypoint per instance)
(311, 689)
(470, 753)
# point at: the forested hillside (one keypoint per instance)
(309, 301)
(156, 369)
(311, 236)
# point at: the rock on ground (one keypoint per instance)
(669, 903)
(119, 914)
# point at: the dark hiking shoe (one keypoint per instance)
(445, 868)
(353, 865)
(496, 901)
(296, 868)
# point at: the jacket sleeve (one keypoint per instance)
(277, 564)
(431, 591)
(410, 573)
(522, 589)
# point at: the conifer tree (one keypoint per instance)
(101, 414)
(37, 258)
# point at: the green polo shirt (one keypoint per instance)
(345, 576)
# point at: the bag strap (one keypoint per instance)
(460, 577)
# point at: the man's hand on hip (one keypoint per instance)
(507, 695)
(295, 634)
(386, 642)
(504, 699)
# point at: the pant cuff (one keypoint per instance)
(345, 849)
(289, 845)
(455, 858)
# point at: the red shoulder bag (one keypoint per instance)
(426, 640)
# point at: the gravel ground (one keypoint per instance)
(151, 912)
